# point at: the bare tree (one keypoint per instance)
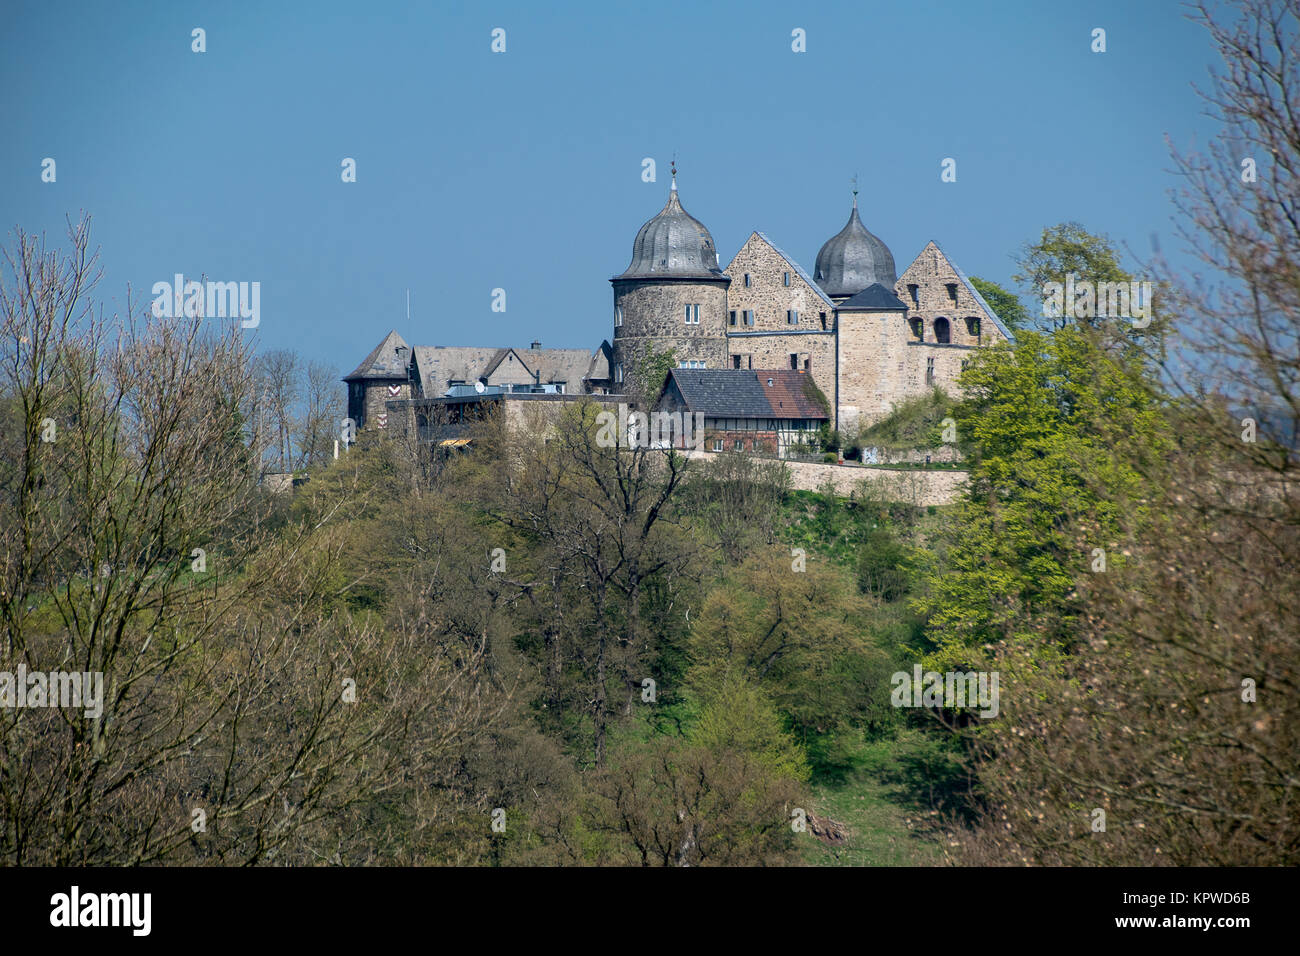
(242, 718)
(280, 386)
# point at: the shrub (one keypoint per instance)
(883, 566)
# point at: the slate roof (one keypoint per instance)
(557, 365)
(674, 243)
(853, 259)
(601, 360)
(744, 393)
(389, 359)
(438, 365)
(874, 298)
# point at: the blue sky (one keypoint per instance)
(522, 170)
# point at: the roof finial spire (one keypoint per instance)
(854, 180)
(673, 167)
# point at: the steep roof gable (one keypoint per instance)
(437, 365)
(794, 266)
(388, 359)
(970, 287)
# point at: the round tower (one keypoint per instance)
(672, 297)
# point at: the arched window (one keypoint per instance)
(941, 333)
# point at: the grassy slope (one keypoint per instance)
(887, 826)
(884, 829)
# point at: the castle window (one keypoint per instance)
(917, 328)
(717, 444)
(929, 371)
(735, 361)
(973, 325)
(749, 359)
(807, 365)
(942, 333)
(618, 316)
(740, 445)
(748, 316)
(912, 288)
(794, 361)
(952, 291)
(791, 316)
(731, 317)
(823, 317)
(692, 315)
(618, 373)
(746, 280)
(786, 278)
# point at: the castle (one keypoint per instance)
(865, 335)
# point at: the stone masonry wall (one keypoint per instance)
(654, 315)
(376, 395)
(918, 488)
(769, 298)
(883, 361)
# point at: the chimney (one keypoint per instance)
(536, 345)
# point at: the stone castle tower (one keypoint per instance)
(673, 296)
(867, 336)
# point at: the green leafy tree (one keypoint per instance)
(1006, 304)
(1064, 249)
(883, 566)
(800, 636)
(1046, 422)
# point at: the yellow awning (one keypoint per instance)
(454, 441)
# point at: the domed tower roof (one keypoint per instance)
(674, 244)
(853, 259)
